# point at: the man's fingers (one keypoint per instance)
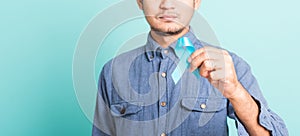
(217, 75)
(208, 50)
(209, 66)
(211, 60)
(197, 61)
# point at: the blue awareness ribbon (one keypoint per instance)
(183, 50)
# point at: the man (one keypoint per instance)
(139, 93)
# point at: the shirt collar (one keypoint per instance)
(152, 47)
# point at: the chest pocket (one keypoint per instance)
(127, 110)
(206, 114)
(205, 105)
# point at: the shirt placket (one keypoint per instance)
(163, 101)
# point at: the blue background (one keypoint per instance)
(38, 39)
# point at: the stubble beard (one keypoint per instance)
(169, 32)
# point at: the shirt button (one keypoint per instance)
(163, 104)
(163, 134)
(123, 110)
(166, 51)
(163, 74)
(203, 106)
(151, 57)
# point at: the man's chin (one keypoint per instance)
(168, 31)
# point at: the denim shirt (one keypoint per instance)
(137, 96)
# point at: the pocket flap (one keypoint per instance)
(204, 104)
(125, 108)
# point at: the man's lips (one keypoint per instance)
(167, 17)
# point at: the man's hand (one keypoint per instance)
(216, 65)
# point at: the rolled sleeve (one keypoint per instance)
(267, 118)
(272, 122)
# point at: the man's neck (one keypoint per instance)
(165, 40)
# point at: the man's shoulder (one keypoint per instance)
(133, 52)
(125, 57)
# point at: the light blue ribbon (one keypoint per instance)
(183, 50)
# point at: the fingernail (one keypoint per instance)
(189, 60)
(191, 69)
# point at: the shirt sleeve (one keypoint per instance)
(103, 120)
(267, 118)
